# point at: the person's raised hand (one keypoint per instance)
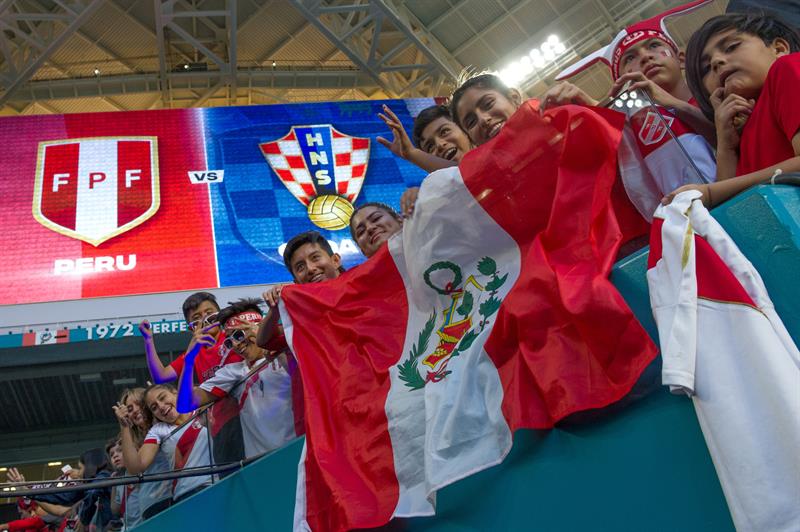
(564, 93)
(730, 114)
(272, 296)
(401, 144)
(146, 330)
(638, 81)
(121, 412)
(14, 475)
(408, 200)
(201, 339)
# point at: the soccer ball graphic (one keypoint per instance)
(330, 212)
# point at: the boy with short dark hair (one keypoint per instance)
(746, 68)
(438, 143)
(200, 311)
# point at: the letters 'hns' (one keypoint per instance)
(323, 168)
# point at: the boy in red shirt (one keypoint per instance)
(28, 520)
(644, 57)
(200, 310)
(746, 68)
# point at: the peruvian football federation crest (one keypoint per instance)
(473, 302)
(654, 127)
(94, 189)
(323, 168)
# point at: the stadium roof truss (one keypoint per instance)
(85, 55)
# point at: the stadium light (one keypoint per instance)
(53, 464)
(3, 469)
(538, 58)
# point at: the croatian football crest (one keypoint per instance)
(96, 188)
(323, 168)
(654, 128)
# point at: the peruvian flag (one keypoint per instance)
(490, 312)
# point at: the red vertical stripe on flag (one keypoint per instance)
(134, 180)
(60, 184)
(582, 348)
(28, 339)
(349, 451)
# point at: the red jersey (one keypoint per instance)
(29, 524)
(767, 136)
(208, 360)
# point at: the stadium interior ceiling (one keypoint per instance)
(77, 56)
(120, 55)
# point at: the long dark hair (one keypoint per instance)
(765, 27)
(481, 81)
(94, 461)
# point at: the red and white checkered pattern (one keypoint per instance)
(350, 158)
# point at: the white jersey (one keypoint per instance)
(264, 394)
(654, 157)
(724, 345)
(151, 493)
(127, 497)
(186, 447)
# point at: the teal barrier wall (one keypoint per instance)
(633, 467)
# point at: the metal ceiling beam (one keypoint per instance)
(29, 63)
(152, 82)
(366, 32)
(168, 17)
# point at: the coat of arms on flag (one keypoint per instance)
(654, 127)
(323, 168)
(94, 189)
(456, 333)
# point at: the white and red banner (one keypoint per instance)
(724, 346)
(490, 312)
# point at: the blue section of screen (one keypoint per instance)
(254, 213)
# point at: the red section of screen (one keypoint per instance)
(60, 184)
(30, 249)
(134, 180)
(174, 248)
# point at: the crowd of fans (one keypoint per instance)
(235, 393)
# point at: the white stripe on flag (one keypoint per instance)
(455, 427)
(96, 204)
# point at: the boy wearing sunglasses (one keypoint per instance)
(201, 313)
(265, 385)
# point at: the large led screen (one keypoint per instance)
(110, 204)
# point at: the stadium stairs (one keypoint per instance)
(642, 465)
